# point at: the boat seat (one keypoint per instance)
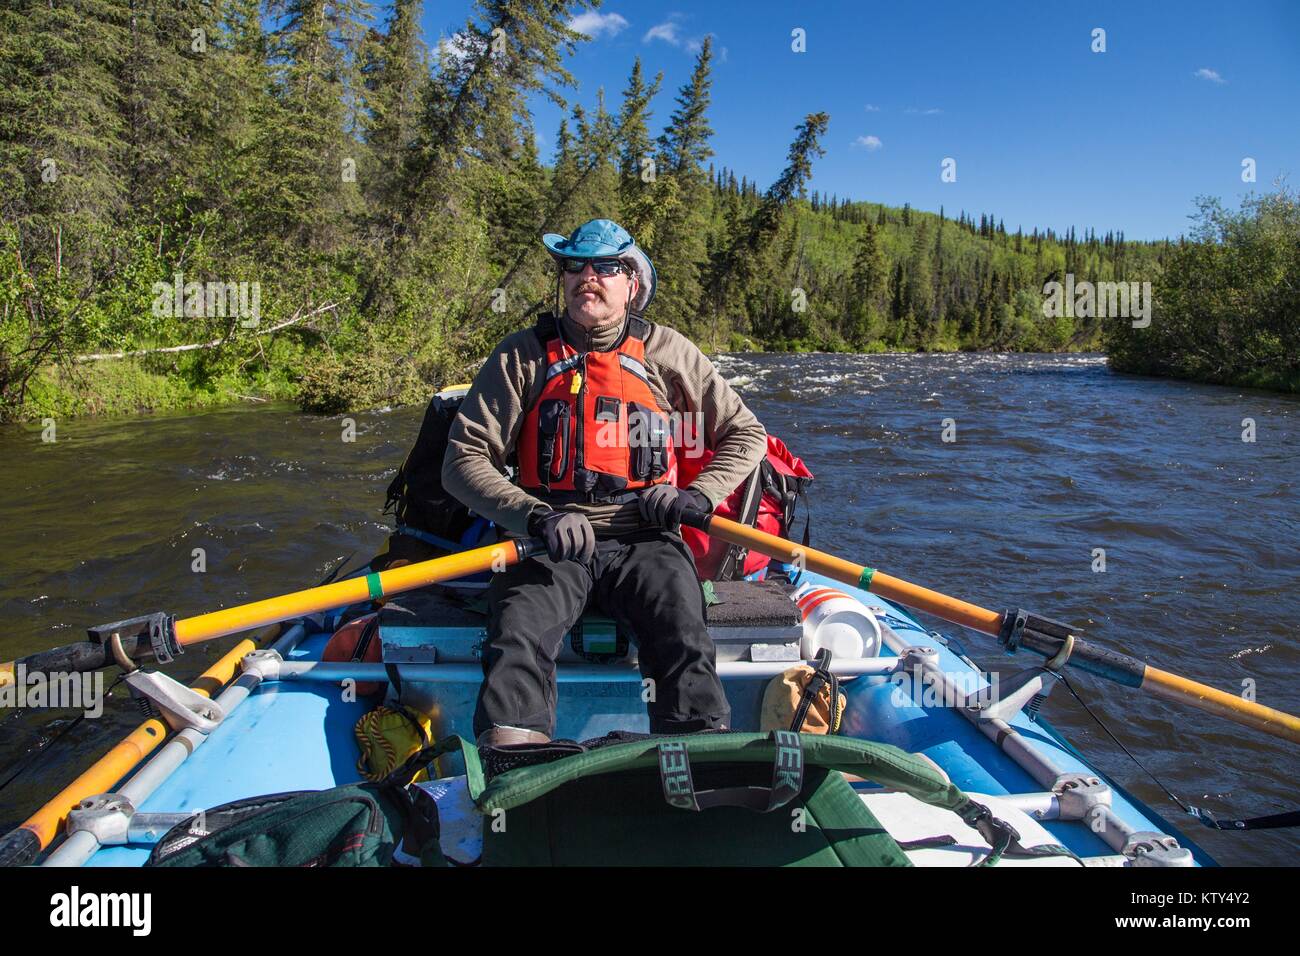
(753, 604)
(433, 606)
(434, 624)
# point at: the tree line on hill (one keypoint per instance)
(170, 168)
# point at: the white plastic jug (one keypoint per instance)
(836, 620)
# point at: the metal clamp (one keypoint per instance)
(106, 817)
(162, 637)
(149, 634)
(1147, 848)
(113, 821)
(910, 658)
(1078, 795)
(182, 707)
(265, 664)
(1013, 628)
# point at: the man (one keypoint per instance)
(585, 404)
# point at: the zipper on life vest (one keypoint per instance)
(579, 387)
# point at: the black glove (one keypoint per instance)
(663, 505)
(568, 535)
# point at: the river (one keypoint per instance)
(1050, 460)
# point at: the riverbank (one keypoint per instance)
(1227, 304)
(127, 387)
(1269, 380)
(330, 385)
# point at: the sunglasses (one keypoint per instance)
(602, 267)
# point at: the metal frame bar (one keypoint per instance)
(573, 673)
(81, 846)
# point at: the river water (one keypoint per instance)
(1051, 458)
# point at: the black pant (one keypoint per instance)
(646, 582)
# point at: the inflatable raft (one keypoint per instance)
(285, 724)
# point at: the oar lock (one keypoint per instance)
(183, 708)
(153, 637)
(150, 636)
(1017, 623)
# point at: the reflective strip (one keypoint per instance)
(376, 588)
(562, 366)
(635, 367)
(864, 581)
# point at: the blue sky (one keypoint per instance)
(1044, 131)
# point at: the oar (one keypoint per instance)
(21, 845)
(1014, 628)
(161, 637)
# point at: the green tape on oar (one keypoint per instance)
(375, 585)
(864, 580)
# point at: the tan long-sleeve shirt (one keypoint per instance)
(682, 380)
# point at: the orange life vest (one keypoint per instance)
(596, 432)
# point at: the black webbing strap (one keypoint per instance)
(1275, 821)
(368, 633)
(733, 562)
(821, 676)
(1003, 839)
(679, 786)
(801, 494)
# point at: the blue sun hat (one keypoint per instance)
(606, 239)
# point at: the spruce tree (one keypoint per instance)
(677, 238)
(868, 284)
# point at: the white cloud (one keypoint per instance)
(670, 32)
(873, 108)
(868, 142)
(932, 111)
(595, 24)
(1205, 73)
(666, 31)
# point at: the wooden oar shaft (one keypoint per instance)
(205, 627)
(1117, 667)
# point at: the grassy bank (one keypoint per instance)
(128, 387)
